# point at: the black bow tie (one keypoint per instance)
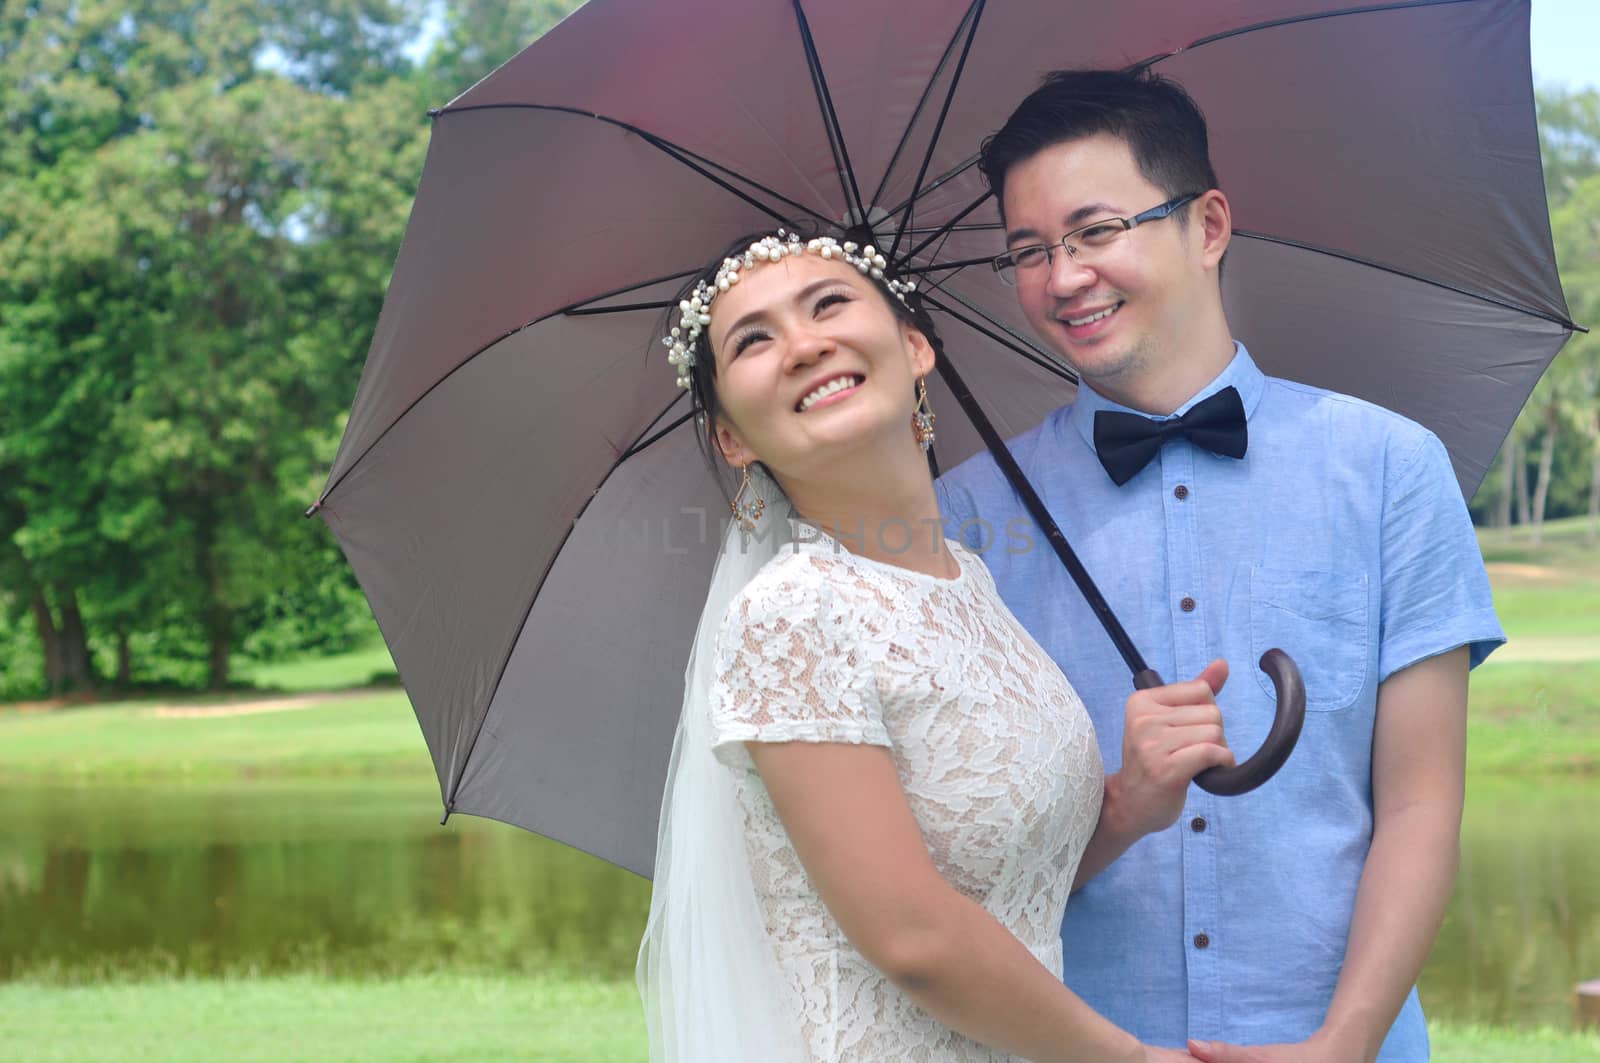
(1126, 442)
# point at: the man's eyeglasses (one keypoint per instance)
(1082, 243)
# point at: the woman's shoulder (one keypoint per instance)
(797, 586)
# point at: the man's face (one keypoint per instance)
(1120, 313)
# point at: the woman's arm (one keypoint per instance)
(848, 818)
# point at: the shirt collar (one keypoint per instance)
(1241, 374)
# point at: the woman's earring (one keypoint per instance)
(922, 419)
(747, 511)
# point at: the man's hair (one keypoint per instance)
(1153, 115)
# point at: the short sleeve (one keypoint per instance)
(788, 668)
(1436, 594)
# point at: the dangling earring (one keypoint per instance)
(747, 513)
(922, 418)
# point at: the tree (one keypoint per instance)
(173, 356)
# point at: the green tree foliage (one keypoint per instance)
(199, 204)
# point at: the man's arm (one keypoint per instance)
(1418, 781)
(1170, 734)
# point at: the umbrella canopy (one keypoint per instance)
(519, 490)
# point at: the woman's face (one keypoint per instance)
(812, 365)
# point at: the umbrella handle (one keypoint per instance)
(1280, 741)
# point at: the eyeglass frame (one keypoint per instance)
(1000, 264)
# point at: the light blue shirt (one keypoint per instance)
(1342, 538)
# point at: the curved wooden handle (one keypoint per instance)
(1285, 732)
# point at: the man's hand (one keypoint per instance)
(1316, 1049)
(1170, 734)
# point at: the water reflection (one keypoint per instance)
(1524, 923)
(349, 878)
(356, 877)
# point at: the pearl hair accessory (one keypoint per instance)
(695, 311)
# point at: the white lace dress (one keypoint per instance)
(994, 749)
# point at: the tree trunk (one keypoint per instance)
(1524, 508)
(55, 669)
(216, 616)
(1593, 533)
(1508, 462)
(75, 642)
(221, 649)
(124, 662)
(1547, 454)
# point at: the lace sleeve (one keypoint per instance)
(788, 668)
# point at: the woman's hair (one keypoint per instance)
(703, 375)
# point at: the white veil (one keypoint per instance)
(711, 986)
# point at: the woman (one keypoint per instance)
(881, 787)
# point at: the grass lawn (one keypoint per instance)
(1546, 592)
(368, 734)
(440, 1017)
(338, 672)
(1534, 718)
(276, 1020)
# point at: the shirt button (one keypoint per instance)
(1187, 605)
(1180, 492)
(1198, 824)
(1202, 941)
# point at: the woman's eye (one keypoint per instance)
(746, 340)
(829, 300)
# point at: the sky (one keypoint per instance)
(1566, 43)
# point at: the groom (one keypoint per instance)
(1238, 512)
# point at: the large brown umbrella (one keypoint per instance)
(518, 489)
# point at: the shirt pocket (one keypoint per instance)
(1320, 620)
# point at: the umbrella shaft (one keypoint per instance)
(1041, 517)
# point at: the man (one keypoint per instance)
(1297, 917)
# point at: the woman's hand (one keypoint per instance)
(1152, 1054)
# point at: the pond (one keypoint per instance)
(357, 877)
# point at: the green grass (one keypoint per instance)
(275, 1020)
(129, 741)
(1492, 1044)
(1550, 590)
(1534, 718)
(340, 671)
(439, 1017)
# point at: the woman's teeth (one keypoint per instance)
(837, 384)
(1096, 316)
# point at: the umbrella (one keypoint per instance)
(519, 489)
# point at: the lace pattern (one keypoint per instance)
(994, 749)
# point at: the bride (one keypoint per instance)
(882, 790)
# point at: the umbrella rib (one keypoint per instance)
(646, 444)
(660, 143)
(1003, 338)
(1397, 271)
(830, 120)
(959, 169)
(588, 311)
(922, 101)
(975, 14)
(574, 308)
(947, 228)
(1289, 20)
